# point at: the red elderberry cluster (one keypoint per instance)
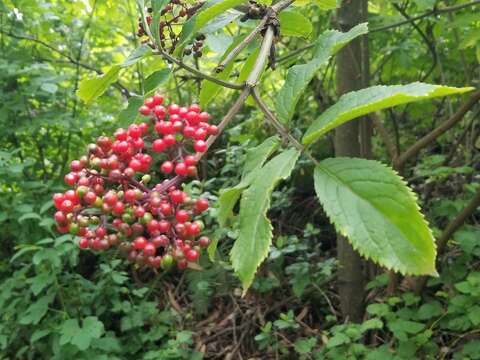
(111, 204)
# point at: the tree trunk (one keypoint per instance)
(351, 76)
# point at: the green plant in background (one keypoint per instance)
(264, 167)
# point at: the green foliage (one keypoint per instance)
(299, 76)
(294, 23)
(358, 103)
(255, 159)
(377, 212)
(255, 229)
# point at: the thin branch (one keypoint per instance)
(384, 134)
(198, 73)
(261, 59)
(441, 129)
(451, 228)
(235, 51)
(391, 26)
(69, 59)
(426, 14)
(281, 129)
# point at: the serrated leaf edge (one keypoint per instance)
(413, 197)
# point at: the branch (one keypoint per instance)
(235, 51)
(281, 129)
(451, 228)
(391, 26)
(196, 72)
(426, 14)
(70, 59)
(384, 134)
(441, 129)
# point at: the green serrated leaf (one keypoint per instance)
(358, 103)
(255, 229)
(299, 76)
(255, 158)
(293, 23)
(373, 207)
(91, 89)
(156, 79)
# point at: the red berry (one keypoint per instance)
(58, 200)
(149, 249)
(144, 110)
(139, 243)
(201, 205)
(149, 102)
(182, 216)
(190, 160)
(135, 164)
(167, 167)
(158, 99)
(158, 145)
(203, 241)
(71, 179)
(76, 165)
(164, 226)
(67, 206)
(169, 140)
(189, 131)
(90, 197)
(193, 229)
(60, 218)
(100, 232)
(200, 134)
(173, 109)
(118, 208)
(130, 196)
(83, 243)
(110, 198)
(192, 255)
(200, 146)
(213, 130)
(166, 209)
(192, 117)
(181, 169)
(139, 211)
(159, 111)
(195, 108)
(134, 131)
(177, 196)
(204, 116)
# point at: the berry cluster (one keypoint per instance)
(173, 14)
(111, 204)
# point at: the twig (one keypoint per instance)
(434, 134)
(261, 59)
(391, 26)
(235, 51)
(280, 127)
(451, 228)
(196, 72)
(426, 14)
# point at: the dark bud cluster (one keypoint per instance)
(175, 13)
(111, 203)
